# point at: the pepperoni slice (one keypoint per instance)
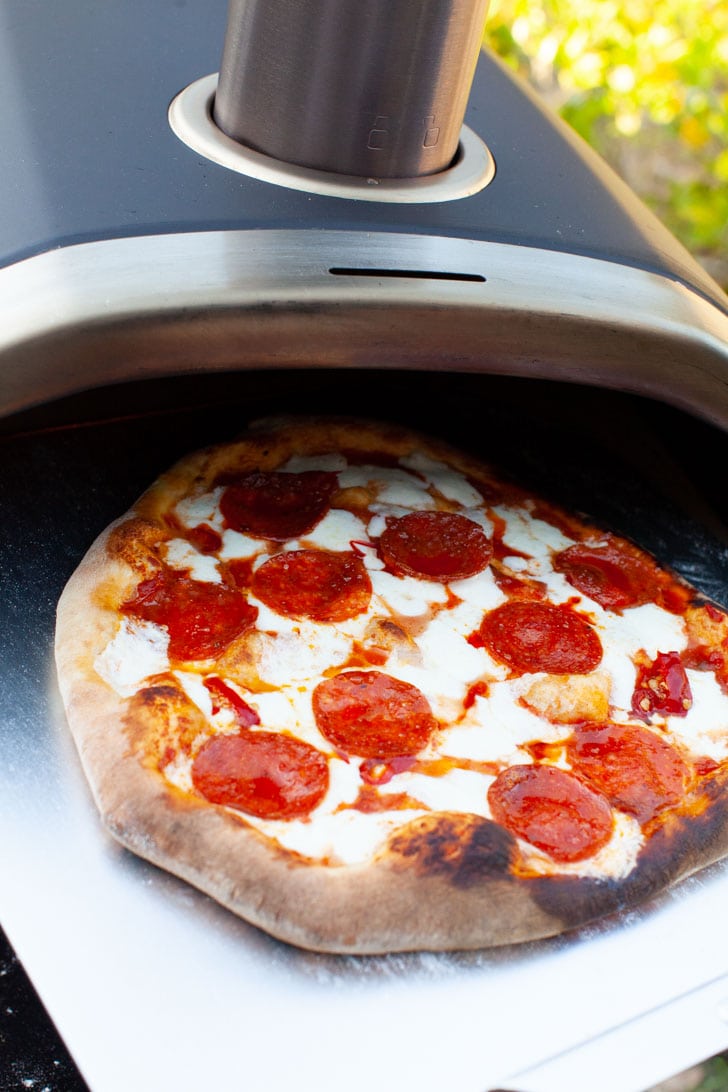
(532, 636)
(637, 770)
(265, 774)
(662, 687)
(551, 809)
(317, 584)
(440, 546)
(371, 714)
(278, 505)
(610, 573)
(201, 618)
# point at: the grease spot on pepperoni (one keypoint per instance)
(532, 636)
(441, 546)
(276, 504)
(321, 585)
(373, 715)
(201, 618)
(551, 809)
(637, 770)
(264, 774)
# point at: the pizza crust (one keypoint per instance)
(442, 881)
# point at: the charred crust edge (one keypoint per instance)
(680, 846)
(463, 849)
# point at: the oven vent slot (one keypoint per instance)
(419, 274)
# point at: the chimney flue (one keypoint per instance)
(371, 88)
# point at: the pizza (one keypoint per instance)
(372, 695)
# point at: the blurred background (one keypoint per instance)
(646, 84)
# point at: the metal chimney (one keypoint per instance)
(372, 88)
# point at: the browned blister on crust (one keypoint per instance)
(463, 849)
(133, 542)
(161, 722)
(442, 880)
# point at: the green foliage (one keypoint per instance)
(646, 85)
(715, 1076)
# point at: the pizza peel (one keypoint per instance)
(151, 984)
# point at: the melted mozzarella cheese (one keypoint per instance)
(444, 670)
(450, 483)
(348, 837)
(296, 657)
(196, 691)
(369, 555)
(336, 531)
(478, 593)
(203, 508)
(467, 787)
(478, 516)
(135, 653)
(406, 595)
(237, 545)
(526, 534)
(448, 655)
(180, 554)
(391, 485)
(378, 523)
(506, 725)
(647, 628)
(704, 730)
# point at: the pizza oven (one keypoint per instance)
(209, 215)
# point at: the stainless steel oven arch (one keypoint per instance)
(103, 312)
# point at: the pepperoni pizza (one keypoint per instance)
(372, 696)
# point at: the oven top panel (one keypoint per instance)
(88, 152)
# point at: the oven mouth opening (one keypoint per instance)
(191, 120)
